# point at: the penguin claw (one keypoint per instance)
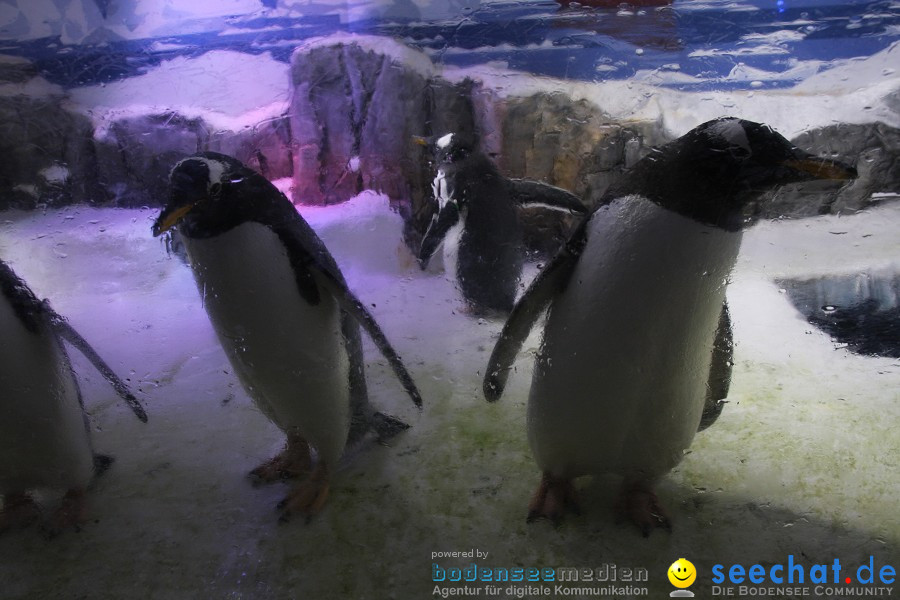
(642, 507)
(553, 498)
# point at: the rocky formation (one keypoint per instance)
(358, 113)
(356, 116)
(48, 153)
(135, 154)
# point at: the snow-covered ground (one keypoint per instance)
(802, 462)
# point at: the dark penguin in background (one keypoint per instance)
(636, 345)
(478, 222)
(284, 316)
(45, 438)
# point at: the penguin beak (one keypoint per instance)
(170, 218)
(816, 168)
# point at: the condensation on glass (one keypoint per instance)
(241, 241)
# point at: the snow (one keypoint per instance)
(77, 21)
(856, 90)
(802, 460)
(212, 86)
(36, 87)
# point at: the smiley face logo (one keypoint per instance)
(682, 573)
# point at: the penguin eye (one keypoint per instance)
(739, 152)
(215, 189)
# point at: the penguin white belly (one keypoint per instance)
(44, 441)
(620, 378)
(290, 355)
(451, 247)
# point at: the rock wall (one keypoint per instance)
(48, 154)
(355, 122)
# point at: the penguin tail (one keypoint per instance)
(386, 426)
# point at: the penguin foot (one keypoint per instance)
(639, 504)
(71, 513)
(293, 462)
(19, 511)
(386, 426)
(553, 498)
(308, 497)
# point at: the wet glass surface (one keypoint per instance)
(347, 108)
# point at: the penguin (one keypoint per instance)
(478, 222)
(636, 344)
(284, 316)
(45, 438)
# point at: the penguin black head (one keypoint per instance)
(763, 158)
(717, 172)
(453, 148)
(211, 193)
(26, 305)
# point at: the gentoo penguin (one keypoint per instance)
(478, 222)
(284, 316)
(635, 301)
(44, 435)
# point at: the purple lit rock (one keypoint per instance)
(354, 115)
(48, 154)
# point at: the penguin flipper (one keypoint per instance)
(443, 220)
(331, 280)
(351, 304)
(719, 371)
(527, 311)
(526, 192)
(68, 333)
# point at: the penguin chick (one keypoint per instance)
(477, 219)
(636, 342)
(44, 433)
(284, 316)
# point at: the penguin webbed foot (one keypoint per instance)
(639, 503)
(387, 426)
(19, 511)
(554, 497)
(291, 463)
(307, 497)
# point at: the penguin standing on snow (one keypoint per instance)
(44, 434)
(284, 316)
(478, 222)
(635, 331)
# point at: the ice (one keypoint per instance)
(177, 514)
